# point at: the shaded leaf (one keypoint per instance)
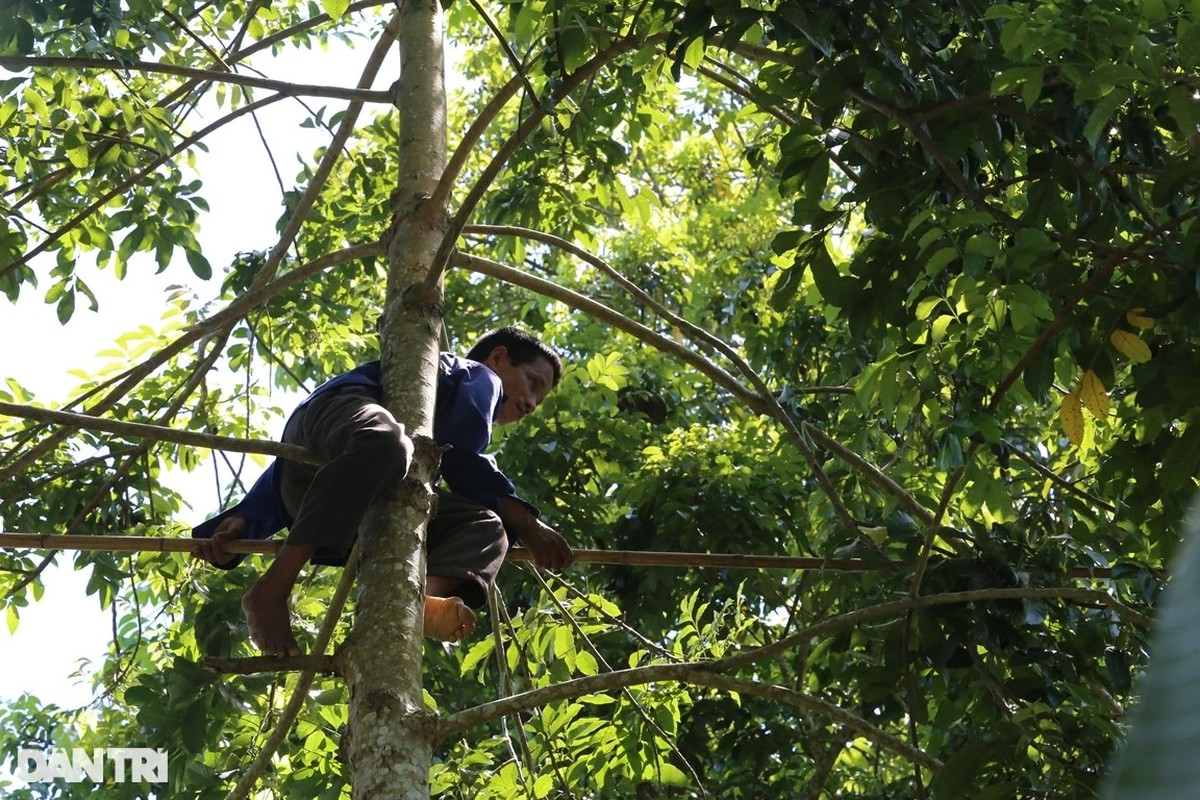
(1137, 319)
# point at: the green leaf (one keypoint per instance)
(586, 663)
(1102, 113)
(576, 46)
(199, 264)
(66, 307)
(1158, 761)
(78, 156)
(335, 8)
(478, 652)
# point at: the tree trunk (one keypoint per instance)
(390, 742)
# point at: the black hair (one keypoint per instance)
(522, 348)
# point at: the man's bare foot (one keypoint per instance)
(448, 619)
(269, 621)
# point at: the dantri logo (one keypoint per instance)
(118, 764)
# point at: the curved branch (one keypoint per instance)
(614, 318)
(441, 195)
(815, 705)
(159, 433)
(703, 337)
(1058, 480)
(871, 472)
(702, 671)
(332, 153)
(205, 75)
(700, 674)
(227, 316)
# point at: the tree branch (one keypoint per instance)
(158, 433)
(703, 338)
(614, 318)
(234, 311)
(700, 674)
(329, 160)
(255, 665)
(359, 95)
(531, 123)
(816, 705)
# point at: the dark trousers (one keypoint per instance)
(365, 452)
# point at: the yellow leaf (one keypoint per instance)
(1094, 396)
(878, 535)
(1070, 416)
(1135, 318)
(1130, 346)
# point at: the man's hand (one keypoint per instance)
(547, 546)
(213, 549)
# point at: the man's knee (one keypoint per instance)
(384, 439)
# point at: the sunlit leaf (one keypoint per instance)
(1070, 418)
(1094, 396)
(1131, 346)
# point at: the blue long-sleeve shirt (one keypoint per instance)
(469, 396)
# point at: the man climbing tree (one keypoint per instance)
(504, 377)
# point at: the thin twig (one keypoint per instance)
(518, 67)
(603, 662)
(499, 615)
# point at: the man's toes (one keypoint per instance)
(448, 619)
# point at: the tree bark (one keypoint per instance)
(390, 730)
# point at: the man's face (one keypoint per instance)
(524, 385)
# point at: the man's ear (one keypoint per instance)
(497, 356)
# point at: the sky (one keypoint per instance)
(67, 625)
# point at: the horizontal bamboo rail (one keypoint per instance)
(630, 558)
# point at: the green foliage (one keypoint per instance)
(960, 240)
(1156, 761)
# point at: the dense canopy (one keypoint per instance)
(911, 283)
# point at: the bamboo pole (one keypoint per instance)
(628, 558)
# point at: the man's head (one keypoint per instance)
(528, 369)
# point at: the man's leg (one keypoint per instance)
(266, 603)
(366, 452)
(447, 617)
(465, 547)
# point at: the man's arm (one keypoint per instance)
(213, 550)
(549, 549)
(259, 515)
